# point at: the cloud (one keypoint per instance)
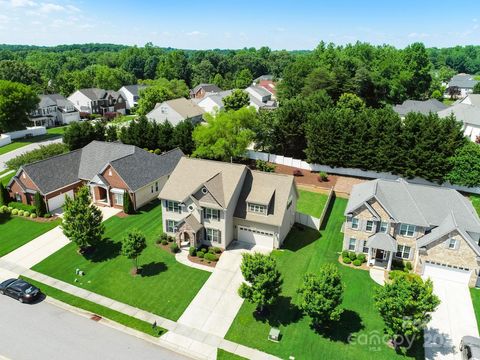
(48, 8)
(22, 3)
(415, 35)
(194, 33)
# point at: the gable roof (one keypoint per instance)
(464, 81)
(190, 175)
(186, 108)
(134, 89)
(422, 107)
(468, 114)
(45, 101)
(421, 205)
(217, 98)
(93, 93)
(277, 189)
(135, 166)
(206, 88)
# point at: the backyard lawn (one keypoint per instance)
(305, 251)
(165, 287)
(5, 179)
(475, 199)
(16, 231)
(16, 144)
(311, 203)
(475, 293)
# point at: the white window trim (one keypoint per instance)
(213, 235)
(372, 227)
(350, 243)
(407, 228)
(257, 208)
(455, 242)
(167, 226)
(173, 206)
(118, 198)
(386, 227)
(211, 214)
(402, 252)
(357, 226)
(364, 247)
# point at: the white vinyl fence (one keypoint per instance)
(307, 220)
(300, 164)
(7, 138)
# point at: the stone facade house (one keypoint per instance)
(215, 203)
(436, 229)
(109, 169)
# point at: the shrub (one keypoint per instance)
(33, 216)
(192, 251)
(345, 253)
(347, 260)
(26, 214)
(408, 266)
(40, 207)
(171, 239)
(201, 254)
(15, 212)
(264, 166)
(47, 215)
(20, 212)
(362, 258)
(352, 255)
(322, 176)
(127, 203)
(357, 262)
(2, 210)
(211, 257)
(217, 250)
(157, 151)
(163, 236)
(43, 152)
(22, 206)
(297, 172)
(4, 197)
(164, 242)
(174, 247)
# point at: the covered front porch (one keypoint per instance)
(381, 249)
(189, 232)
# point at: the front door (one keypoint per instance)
(380, 254)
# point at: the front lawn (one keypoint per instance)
(5, 179)
(165, 287)
(311, 203)
(16, 231)
(475, 293)
(16, 144)
(305, 251)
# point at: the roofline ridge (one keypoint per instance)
(51, 157)
(475, 216)
(404, 184)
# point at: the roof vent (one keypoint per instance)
(190, 208)
(204, 190)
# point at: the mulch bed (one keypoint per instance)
(197, 260)
(38, 219)
(165, 247)
(121, 215)
(364, 266)
(308, 177)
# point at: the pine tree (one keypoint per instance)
(40, 207)
(4, 198)
(127, 203)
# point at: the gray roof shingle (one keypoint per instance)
(422, 107)
(464, 81)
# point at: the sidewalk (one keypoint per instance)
(45, 245)
(197, 343)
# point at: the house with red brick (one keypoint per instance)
(109, 169)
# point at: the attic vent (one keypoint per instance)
(204, 190)
(190, 207)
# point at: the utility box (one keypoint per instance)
(274, 335)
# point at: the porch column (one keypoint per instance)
(92, 191)
(369, 255)
(108, 197)
(390, 256)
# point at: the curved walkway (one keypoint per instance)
(378, 276)
(182, 258)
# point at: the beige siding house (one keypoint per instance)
(215, 203)
(436, 229)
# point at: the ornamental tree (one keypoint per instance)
(133, 245)
(82, 220)
(127, 203)
(40, 206)
(405, 306)
(321, 295)
(263, 280)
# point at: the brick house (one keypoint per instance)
(436, 229)
(109, 169)
(201, 90)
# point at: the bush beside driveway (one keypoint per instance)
(305, 251)
(165, 287)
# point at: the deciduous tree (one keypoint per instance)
(16, 102)
(236, 100)
(133, 245)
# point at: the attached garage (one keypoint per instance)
(445, 272)
(58, 201)
(255, 236)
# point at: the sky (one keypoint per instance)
(208, 24)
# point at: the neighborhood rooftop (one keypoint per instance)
(423, 107)
(465, 81)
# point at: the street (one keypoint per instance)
(14, 153)
(44, 331)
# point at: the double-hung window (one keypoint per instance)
(213, 235)
(452, 243)
(355, 223)
(369, 226)
(383, 226)
(352, 244)
(170, 225)
(407, 230)
(403, 252)
(212, 214)
(173, 206)
(118, 199)
(365, 248)
(256, 208)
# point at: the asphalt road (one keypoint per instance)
(14, 153)
(44, 331)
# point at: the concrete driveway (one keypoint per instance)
(453, 319)
(217, 303)
(46, 244)
(14, 153)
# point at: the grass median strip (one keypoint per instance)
(99, 310)
(225, 355)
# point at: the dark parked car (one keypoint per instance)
(470, 348)
(19, 289)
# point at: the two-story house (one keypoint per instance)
(202, 90)
(176, 110)
(98, 101)
(215, 203)
(131, 94)
(54, 109)
(435, 228)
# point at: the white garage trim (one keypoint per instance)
(255, 236)
(447, 272)
(58, 201)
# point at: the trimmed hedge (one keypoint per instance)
(192, 251)
(357, 262)
(201, 254)
(211, 257)
(347, 260)
(21, 206)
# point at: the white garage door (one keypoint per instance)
(256, 237)
(436, 271)
(57, 201)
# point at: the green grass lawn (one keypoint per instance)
(165, 287)
(16, 144)
(225, 355)
(311, 203)
(305, 251)
(475, 199)
(5, 179)
(16, 231)
(96, 309)
(475, 293)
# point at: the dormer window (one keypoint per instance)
(257, 208)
